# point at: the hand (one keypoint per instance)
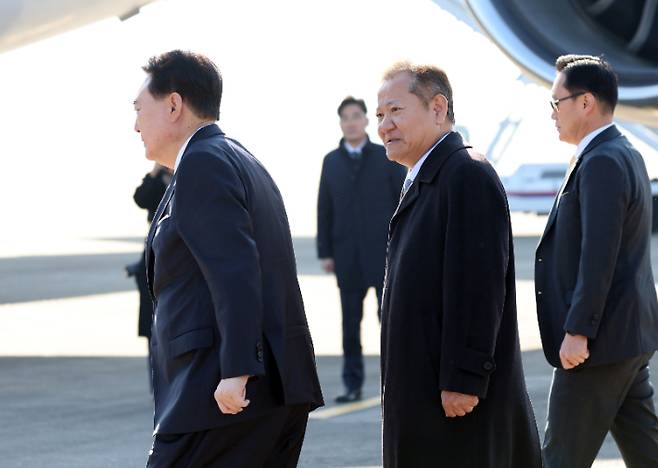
(458, 404)
(573, 351)
(230, 394)
(327, 264)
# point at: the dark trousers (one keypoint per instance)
(352, 304)
(584, 404)
(273, 440)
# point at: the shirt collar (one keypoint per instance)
(355, 149)
(184, 147)
(413, 172)
(588, 139)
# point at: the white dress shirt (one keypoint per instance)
(354, 149)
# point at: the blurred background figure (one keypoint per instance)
(359, 191)
(147, 196)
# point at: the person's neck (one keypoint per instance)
(356, 143)
(437, 137)
(182, 135)
(191, 128)
(592, 125)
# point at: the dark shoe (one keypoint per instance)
(349, 397)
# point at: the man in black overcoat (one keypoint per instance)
(453, 389)
(233, 364)
(596, 297)
(359, 190)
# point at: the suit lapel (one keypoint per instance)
(149, 259)
(607, 134)
(202, 133)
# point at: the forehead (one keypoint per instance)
(143, 94)
(351, 109)
(395, 89)
(558, 82)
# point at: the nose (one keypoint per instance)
(553, 114)
(384, 125)
(137, 126)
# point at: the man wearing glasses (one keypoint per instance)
(596, 298)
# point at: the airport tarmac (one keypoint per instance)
(73, 383)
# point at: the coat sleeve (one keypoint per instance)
(474, 276)
(325, 216)
(213, 219)
(603, 195)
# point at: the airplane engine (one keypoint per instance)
(534, 33)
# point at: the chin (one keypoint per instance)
(394, 157)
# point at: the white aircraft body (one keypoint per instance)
(26, 21)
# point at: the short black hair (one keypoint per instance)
(195, 77)
(348, 101)
(426, 82)
(590, 74)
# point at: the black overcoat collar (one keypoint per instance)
(431, 167)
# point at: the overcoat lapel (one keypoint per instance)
(431, 167)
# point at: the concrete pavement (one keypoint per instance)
(73, 388)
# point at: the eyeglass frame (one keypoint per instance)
(555, 103)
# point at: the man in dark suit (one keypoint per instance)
(596, 298)
(233, 364)
(359, 190)
(452, 379)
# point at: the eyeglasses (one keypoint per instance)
(555, 103)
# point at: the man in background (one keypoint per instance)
(359, 190)
(596, 297)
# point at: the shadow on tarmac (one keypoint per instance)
(97, 412)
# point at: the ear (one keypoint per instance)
(175, 104)
(439, 106)
(590, 104)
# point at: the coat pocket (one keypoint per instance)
(191, 340)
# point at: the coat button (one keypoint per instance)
(259, 352)
(540, 259)
(539, 293)
(487, 366)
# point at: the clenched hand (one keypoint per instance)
(230, 394)
(458, 404)
(573, 351)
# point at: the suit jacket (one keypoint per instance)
(593, 267)
(449, 321)
(148, 196)
(221, 269)
(356, 200)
